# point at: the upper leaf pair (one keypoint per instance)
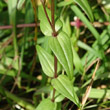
(61, 47)
(44, 23)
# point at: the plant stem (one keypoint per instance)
(35, 37)
(95, 24)
(19, 26)
(43, 4)
(35, 14)
(52, 15)
(15, 44)
(53, 97)
(54, 34)
(53, 19)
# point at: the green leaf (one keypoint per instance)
(65, 3)
(45, 44)
(58, 97)
(66, 26)
(47, 62)
(46, 104)
(45, 89)
(6, 61)
(46, 28)
(88, 48)
(77, 62)
(41, 13)
(20, 4)
(12, 11)
(82, 3)
(10, 73)
(77, 11)
(61, 47)
(12, 5)
(58, 25)
(64, 86)
(85, 6)
(44, 24)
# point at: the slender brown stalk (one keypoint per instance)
(52, 14)
(43, 4)
(86, 95)
(53, 97)
(35, 37)
(19, 26)
(55, 76)
(91, 64)
(35, 17)
(33, 66)
(52, 17)
(95, 24)
(54, 34)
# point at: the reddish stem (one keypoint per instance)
(19, 26)
(54, 34)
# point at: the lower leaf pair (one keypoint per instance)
(61, 47)
(64, 86)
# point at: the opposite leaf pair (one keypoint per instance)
(61, 47)
(64, 86)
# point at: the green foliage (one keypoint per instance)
(47, 62)
(20, 4)
(44, 24)
(12, 10)
(85, 21)
(86, 7)
(47, 69)
(64, 86)
(77, 62)
(46, 104)
(61, 47)
(83, 4)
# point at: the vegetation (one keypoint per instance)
(54, 54)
